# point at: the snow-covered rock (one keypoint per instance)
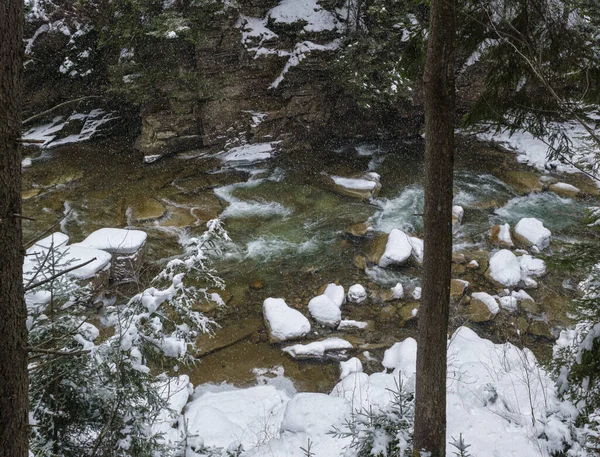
(126, 247)
(531, 232)
(336, 294)
(402, 356)
(283, 322)
(330, 347)
(353, 365)
(500, 235)
(417, 248)
(325, 311)
(249, 153)
(457, 216)
(505, 268)
(564, 190)
(363, 188)
(357, 294)
(76, 254)
(489, 301)
(307, 12)
(245, 416)
(349, 324)
(398, 291)
(531, 266)
(508, 302)
(416, 293)
(397, 250)
(116, 241)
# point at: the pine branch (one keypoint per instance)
(58, 275)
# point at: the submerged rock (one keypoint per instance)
(146, 210)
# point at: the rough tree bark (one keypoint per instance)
(439, 98)
(13, 333)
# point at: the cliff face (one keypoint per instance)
(261, 72)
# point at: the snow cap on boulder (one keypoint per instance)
(283, 322)
(397, 250)
(505, 268)
(531, 232)
(325, 311)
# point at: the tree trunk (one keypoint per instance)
(439, 95)
(13, 332)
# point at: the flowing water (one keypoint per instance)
(287, 222)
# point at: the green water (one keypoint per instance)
(286, 220)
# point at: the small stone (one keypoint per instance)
(459, 258)
(408, 313)
(564, 190)
(360, 262)
(387, 313)
(257, 284)
(458, 287)
(359, 230)
(357, 294)
(473, 265)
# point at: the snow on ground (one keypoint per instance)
(248, 153)
(49, 133)
(116, 241)
(533, 231)
(284, 322)
(315, 17)
(498, 397)
(534, 151)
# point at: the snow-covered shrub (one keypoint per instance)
(92, 392)
(382, 432)
(577, 362)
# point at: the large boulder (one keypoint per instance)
(505, 268)
(398, 249)
(283, 322)
(482, 307)
(125, 246)
(530, 231)
(325, 311)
